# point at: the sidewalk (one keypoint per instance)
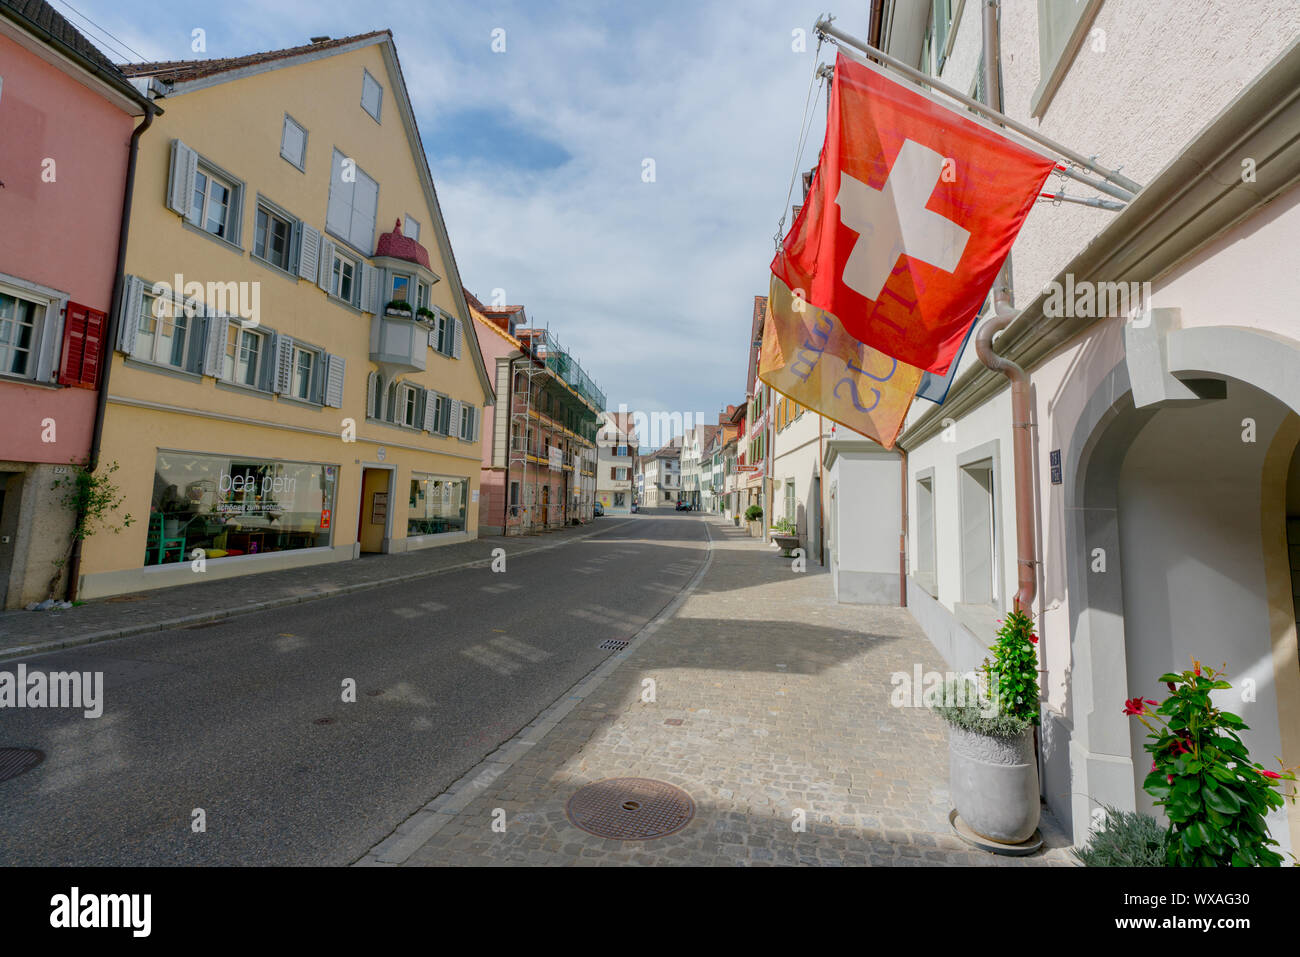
(770, 698)
(32, 632)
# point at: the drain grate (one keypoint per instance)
(14, 761)
(630, 809)
(614, 644)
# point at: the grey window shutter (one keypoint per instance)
(335, 367)
(129, 317)
(51, 344)
(430, 411)
(421, 406)
(455, 417)
(283, 363)
(455, 338)
(446, 415)
(326, 264)
(180, 182)
(215, 353)
(372, 390)
(309, 246)
(197, 346)
(369, 289)
(433, 336)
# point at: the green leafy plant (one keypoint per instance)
(965, 705)
(754, 513)
(1126, 839)
(1013, 673)
(783, 526)
(1216, 798)
(91, 497)
(400, 305)
(424, 312)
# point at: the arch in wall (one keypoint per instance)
(1120, 457)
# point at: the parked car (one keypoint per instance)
(683, 506)
(599, 510)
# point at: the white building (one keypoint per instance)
(663, 479)
(616, 453)
(798, 437)
(1166, 451)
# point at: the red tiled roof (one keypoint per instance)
(181, 71)
(397, 246)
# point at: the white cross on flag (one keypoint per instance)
(911, 213)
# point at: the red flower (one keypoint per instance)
(1033, 639)
(1196, 666)
(1271, 774)
(1133, 706)
(1170, 686)
(1169, 778)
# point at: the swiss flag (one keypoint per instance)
(911, 213)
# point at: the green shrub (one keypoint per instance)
(964, 705)
(1216, 798)
(1126, 839)
(753, 513)
(1013, 673)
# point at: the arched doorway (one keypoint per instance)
(1177, 547)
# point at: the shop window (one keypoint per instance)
(230, 507)
(437, 504)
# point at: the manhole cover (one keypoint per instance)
(630, 809)
(614, 644)
(14, 761)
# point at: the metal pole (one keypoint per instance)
(1083, 201)
(1127, 187)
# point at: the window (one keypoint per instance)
(437, 504)
(791, 509)
(401, 288)
(20, 329)
(304, 368)
(353, 204)
(164, 332)
(210, 205)
(925, 533)
(978, 534)
(409, 402)
(421, 295)
(235, 507)
(620, 475)
(411, 229)
(622, 450)
(1059, 23)
(271, 237)
(468, 422)
(293, 143)
(372, 95)
(245, 355)
(343, 278)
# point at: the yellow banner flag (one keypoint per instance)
(808, 356)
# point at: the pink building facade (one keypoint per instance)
(68, 117)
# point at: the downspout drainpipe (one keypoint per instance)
(110, 334)
(1021, 407)
(902, 533)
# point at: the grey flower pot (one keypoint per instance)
(994, 784)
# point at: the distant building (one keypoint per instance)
(616, 444)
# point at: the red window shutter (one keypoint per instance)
(83, 346)
(96, 323)
(74, 344)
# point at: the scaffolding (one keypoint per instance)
(528, 458)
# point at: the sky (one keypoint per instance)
(539, 152)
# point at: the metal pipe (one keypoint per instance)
(110, 333)
(1004, 313)
(1061, 197)
(823, 26)
(902, 536)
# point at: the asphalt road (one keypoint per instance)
(245, 718)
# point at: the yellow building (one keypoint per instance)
(291, 382)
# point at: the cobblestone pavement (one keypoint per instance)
(32, 632)
(781, 698)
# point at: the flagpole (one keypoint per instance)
(1123, 188)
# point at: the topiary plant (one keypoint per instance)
(1126, 839)
(1013, 672)
(753, 513)
(1216, 798)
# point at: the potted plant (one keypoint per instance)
(425, 313)
(1215, 797)
(786, 535)
(992, 769)
(398, 307)
(754, 517)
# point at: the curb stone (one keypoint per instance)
(60, 644)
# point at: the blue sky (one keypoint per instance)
(538, 151)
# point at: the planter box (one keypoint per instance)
(994, 784)
(787, 543)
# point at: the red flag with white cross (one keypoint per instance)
(913, 208)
